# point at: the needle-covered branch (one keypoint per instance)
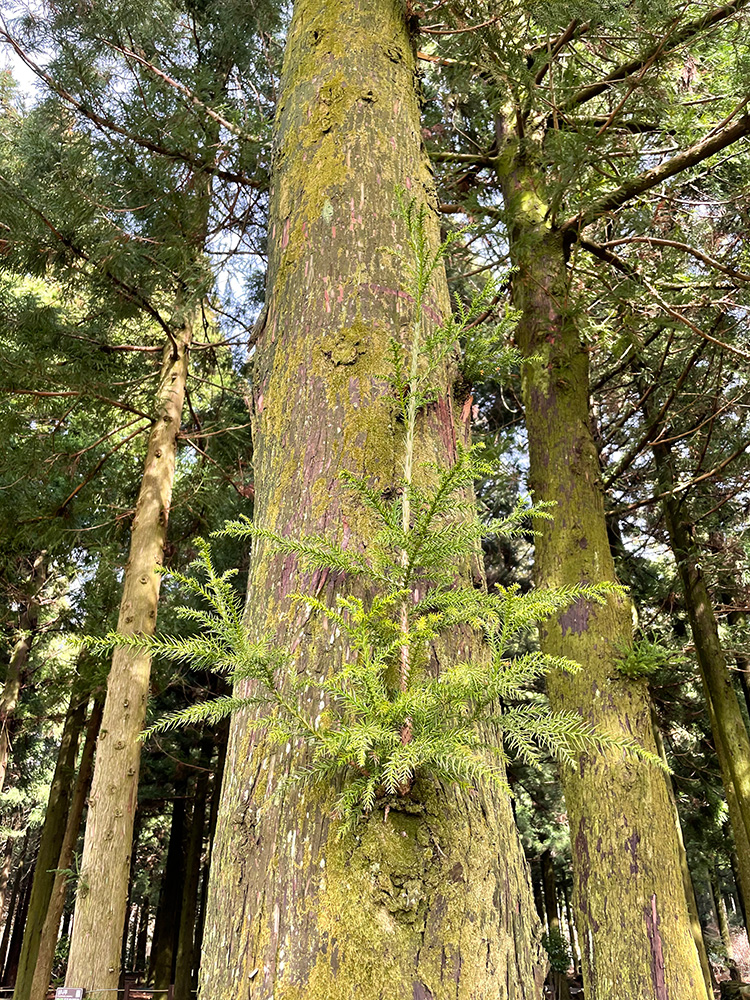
(666, 45)
(657, 175)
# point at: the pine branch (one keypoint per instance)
(664, 47)
(712, 144)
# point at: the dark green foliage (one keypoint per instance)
(558, 951)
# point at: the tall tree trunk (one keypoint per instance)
(5, 872)
(536, 888)
(50, 843)
(15, 899)
(739, 832)
(687, 879)
(213, 813)
(727, 723)
(19, 922)
(574, 949)
(94, 962)
(134, 924)
(735, 863)
(433, 903)
(721, 916)
(620, 816)
(559, 979)
(130, 915)
(141, 943)
(48, 939)
(167, 926)
(183, 979)
(27, 627)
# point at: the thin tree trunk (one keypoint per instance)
(94, 962)
(129, 909)
(167, 926)
(19, 922)
(48, 939)
(126, 933)
(687, 878)
(727, 723)
(735, 863)
(5, 872)
(620, 816)
(129, 962)
(536, 886)
(27, 626)
(217, 782)
(739, 833)
(559, 979)
(575, 952)
(50, 843)
(141, 943)
(183, 979)
(14, 901)
(421, 904)
(721, 916)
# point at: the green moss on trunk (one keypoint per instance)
(432, 899)
(631, 910)
(727, 723)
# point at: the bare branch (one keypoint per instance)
(571, 31)
(632, 272)
(185, 91)
(686, 248)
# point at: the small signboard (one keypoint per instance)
(69, 993)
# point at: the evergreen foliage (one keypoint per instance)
(388, 717)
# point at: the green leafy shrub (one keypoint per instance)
(389, 716)
(646, 659)
(557, 950)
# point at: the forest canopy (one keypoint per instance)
(374, 499)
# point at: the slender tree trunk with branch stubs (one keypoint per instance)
(728, 727)
(94, 962)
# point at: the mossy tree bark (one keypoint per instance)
(730, 733)
(48, 938)
(94, 962)
(431, 899)
(51, 839)
(621, 821)
(27, 627)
